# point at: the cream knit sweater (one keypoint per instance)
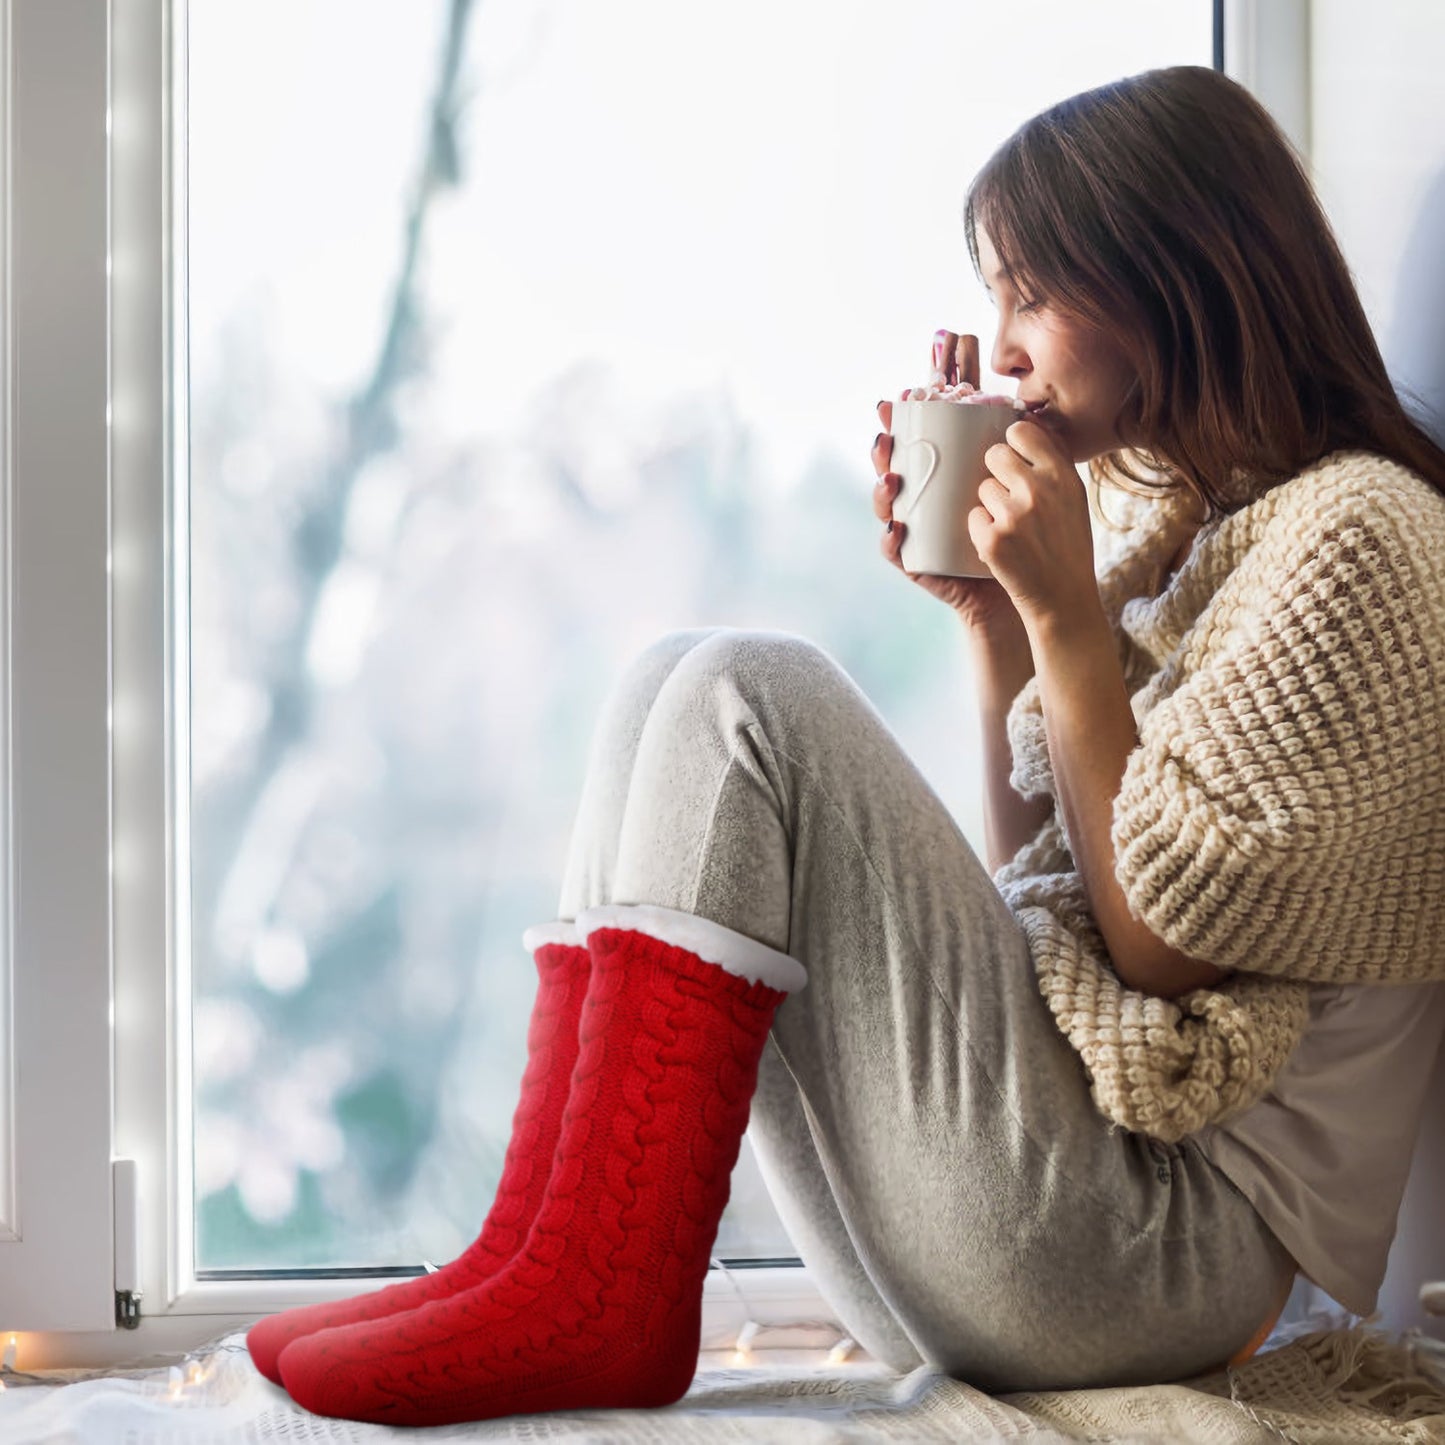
(1283, 814)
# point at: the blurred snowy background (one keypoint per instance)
(522, 332)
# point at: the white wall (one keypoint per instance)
(1377, 133)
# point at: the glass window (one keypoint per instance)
(521, 333)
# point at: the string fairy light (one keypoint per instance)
(196, 1373)
(742, 1354)
(176, 1378)
(751, 1328)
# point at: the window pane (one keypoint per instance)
(480, 406)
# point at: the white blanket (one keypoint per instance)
(1328, 1385)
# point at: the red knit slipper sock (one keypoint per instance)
(602, 1305)
(563, 967)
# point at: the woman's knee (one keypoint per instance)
(761, 661)
(787, 683)
(779, 679)
(669, 648)
(643, 677)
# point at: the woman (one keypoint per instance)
(1078, 1123)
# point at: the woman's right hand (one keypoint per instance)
(982, 602)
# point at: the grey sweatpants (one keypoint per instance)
(924, 1130)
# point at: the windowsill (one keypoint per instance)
(782, 1301)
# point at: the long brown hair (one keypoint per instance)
(1170, 212)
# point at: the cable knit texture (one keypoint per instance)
(601, 1307)
(1283, 814)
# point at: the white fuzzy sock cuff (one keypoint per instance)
(559, 932)
(711, 942)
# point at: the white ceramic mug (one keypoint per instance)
(938, 451)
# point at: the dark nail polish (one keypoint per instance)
(890, 524)
(878, 440)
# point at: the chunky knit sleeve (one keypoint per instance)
(1156, 1066)
(1284, 812)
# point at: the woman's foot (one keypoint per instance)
(601, 1307)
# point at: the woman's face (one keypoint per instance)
(1078, 372)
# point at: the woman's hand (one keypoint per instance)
(1031, 527)
(981, 602)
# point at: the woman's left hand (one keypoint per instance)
(1031, 527)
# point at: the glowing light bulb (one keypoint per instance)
(742, 1355)
(840, 1352)
(7, 1361)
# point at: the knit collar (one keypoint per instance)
(1152, 611)
(1157, 620)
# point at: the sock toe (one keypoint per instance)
(267, 1338)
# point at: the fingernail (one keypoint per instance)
(890, 524)
(878, 440)
(879, 408)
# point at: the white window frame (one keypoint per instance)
(55, 1177)
(1267, 50)
(9, 1196)
(137, 914)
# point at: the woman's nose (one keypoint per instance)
(1008, 357)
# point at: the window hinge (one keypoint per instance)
(128, 1291)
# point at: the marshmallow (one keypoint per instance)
(963, 392)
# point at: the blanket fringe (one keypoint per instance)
(1376, 1371)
